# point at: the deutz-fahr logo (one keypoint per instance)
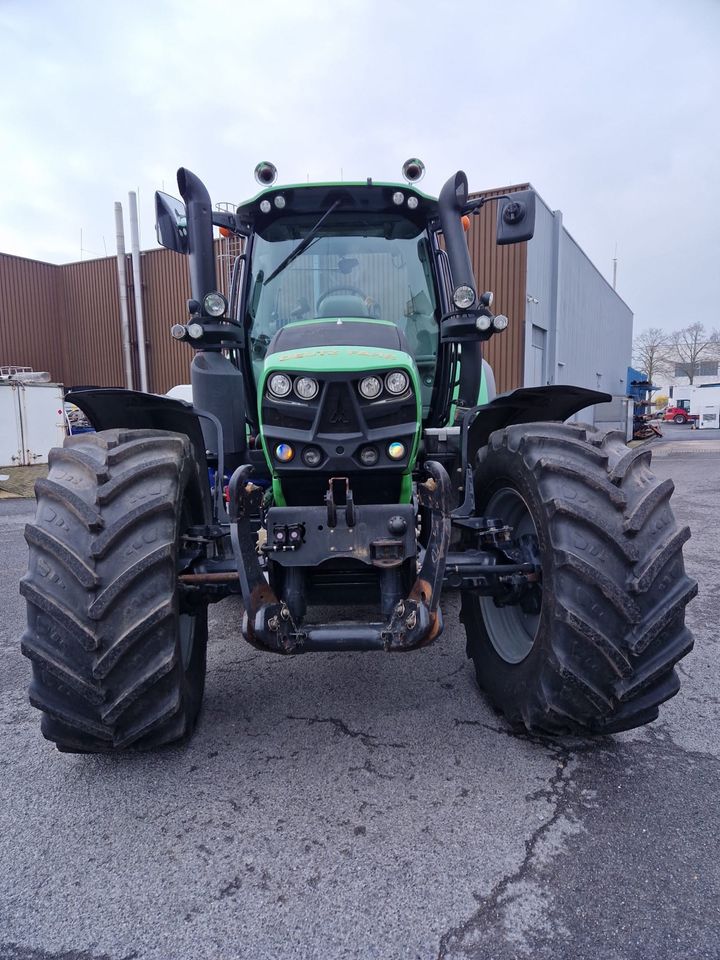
(339, 415)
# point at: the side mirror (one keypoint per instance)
(171, 222)
(516, 217)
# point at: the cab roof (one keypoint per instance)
(314, 199)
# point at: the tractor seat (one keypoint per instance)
(343, 305)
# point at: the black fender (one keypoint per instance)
(526, 405)
(112, 408)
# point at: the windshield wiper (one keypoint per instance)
(303, 245)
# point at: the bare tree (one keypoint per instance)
(690, 346)
(650, 350)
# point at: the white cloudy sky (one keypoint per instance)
(611, 108)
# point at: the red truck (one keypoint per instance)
(679, 414)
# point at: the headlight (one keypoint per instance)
(265, 206)
(396, 450)
(279, 385)
(280, 201)
(370, 387)
(500, 321)
(463, 297)
(306, 388)
(396, 382)
(194, 330)
(413, 203)
(215, 304)
(398, 198)
(483, 323)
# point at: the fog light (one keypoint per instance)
(177, 331)
(265, 206)
(279, 385)
(396, 450)
(483, 323)
(194, 330)
(500, 322)
(369, 456)
(284, 452)
(312, 456)
(398, 198)
(280, 201)
(413, 203)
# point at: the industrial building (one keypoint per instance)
(567, 324)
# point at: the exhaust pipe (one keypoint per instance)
(200, 235)
(451, 203)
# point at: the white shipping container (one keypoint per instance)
(710, 416)
(32, 421)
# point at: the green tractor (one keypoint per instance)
(345, 446)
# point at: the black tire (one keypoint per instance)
(679, 418)
(600, 657)
(118, 658)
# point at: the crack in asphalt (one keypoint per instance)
(369, 740)
(558, 790)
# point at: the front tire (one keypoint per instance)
(118, 656)
(679, 418)
(599, 655)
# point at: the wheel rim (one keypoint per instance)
(511, 631)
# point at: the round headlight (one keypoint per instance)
(398, 198)
(194, 330)
(265, 206)
(396, 382)
(396, 450)
(463, 297)
(500, 321)
(280, 201)
(312, 456)
(370, 387)
(306, 388)
(413, 203)
(369, 456)
(284, 452)
(177, 331)
(483, 323)
(215, 304)
(279, 385)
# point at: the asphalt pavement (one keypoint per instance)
(369, 806)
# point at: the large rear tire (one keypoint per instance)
(118, 657)
(599, 655)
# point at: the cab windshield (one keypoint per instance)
(373, 266)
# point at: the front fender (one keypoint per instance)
(526, 405)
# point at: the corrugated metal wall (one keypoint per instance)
(578, 330)
(31, 311)
(502, 270)
(66, 319)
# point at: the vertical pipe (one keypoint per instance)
(555, 280)
(137, 289)
(122, 289)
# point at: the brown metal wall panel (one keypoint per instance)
(91, 324)
(31, 317)
(502, 270)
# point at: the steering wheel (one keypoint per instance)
(345, 288)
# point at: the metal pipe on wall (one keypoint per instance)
(122, 290)
(137, 290)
